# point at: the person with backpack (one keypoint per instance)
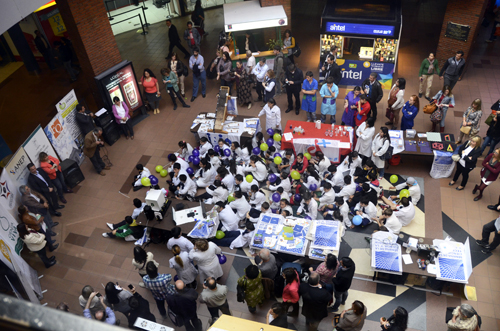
(289, 43)
(380, 145)
(278, 67)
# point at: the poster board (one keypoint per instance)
(38, 142)
(452, 263)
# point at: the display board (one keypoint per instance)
(457, 31)
(453, 262)
(354, 72)
(386, 253)
(38, 142)
(119, 81)
(17, 168)
(9, 194)
(360, 29)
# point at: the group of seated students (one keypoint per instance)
(243, 185)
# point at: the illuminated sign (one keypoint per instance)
(365, 29)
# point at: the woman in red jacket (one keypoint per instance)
(489, 172)
(291, 291)
(51, 166)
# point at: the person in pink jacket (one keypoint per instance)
(122, 117)
(291, 291)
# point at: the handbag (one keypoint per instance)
(389, 114)
(455, 157)
(240, 292)
(185, 71)
(437, 115)
(466, 129)
(490, 119)
(387, 155)
(430, 108)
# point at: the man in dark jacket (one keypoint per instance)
(315, 301)
(373, 90)
(332, 70)
(40, 182)
(192, 37)
(183, 304)
(140, 308)
(453, 69)
(175, 40)
(43, 47)
(342, 281)
(293, 82)
(65, 57)
(84, 119)
(37, 204)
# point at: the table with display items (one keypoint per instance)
(313, 140)
(424, 144)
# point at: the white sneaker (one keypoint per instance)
(110, 225)
(141, 284)
(249, 105)
(308, 121)
(105, 235)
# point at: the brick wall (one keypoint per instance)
(465, 12)
(287, 6)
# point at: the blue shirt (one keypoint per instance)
(160, 286)
(199, 61)
(41, 177)
(110, 315)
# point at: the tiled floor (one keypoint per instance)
(85, 257)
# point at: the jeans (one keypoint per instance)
(127, 129)
(60, 184)
(323, 118)
(174, 94)
(196, 80)
(340, 298)
(97, 162)
(70, 70)
(381, 172)
(43, 256)
(193, 324)
(489, 141)
(487, 230)
(445, 110)
(311, 116)
(214, 311)
(161, 307)
(461, 171)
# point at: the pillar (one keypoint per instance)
(95, 46)
(22, 46)
(287, 6)
(465, 12)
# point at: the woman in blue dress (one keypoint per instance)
(350, 100)
(410, 111)
(329, 93)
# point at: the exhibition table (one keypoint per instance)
(313, 140)
(231, 323)
(425, 142)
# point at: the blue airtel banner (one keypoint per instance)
(355, 72)
(364, 29)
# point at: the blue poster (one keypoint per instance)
(354, 72)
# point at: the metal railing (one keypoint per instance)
(144, 32)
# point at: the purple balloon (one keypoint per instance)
(297, 197)
(190, 170)
(153, 180)
(190, 158)
(196, 160)
(313, 187)
(272, 178)
(196, 152)
(216, 148)
(270, 131)
(277, 154)
(222, 258)
(276, 197)
(270, 142)
(227, 152)
(256, 150)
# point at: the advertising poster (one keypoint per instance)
(355, 72)
(36, 143)
(17, 168)
(9, 195)
(121, 83)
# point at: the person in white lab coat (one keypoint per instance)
(205, 146)
(412, 186)
(177, 239)
(350, 163)
(273, 115)
(241, 184)
(226, 178)
(334, 177)
(405, 212)
(215, 193)
(143, 173)
(327, 198)
(184, 268)
(245, 237)
(204, 254)
(343, 208)
(254, 214)
(244, 156)
(175, 182)
(312, 178)
(257, 168)
(390, 221)
(321, 164)
(187, 188)
(222, 150)
(285, 183)
(348, 189)
(185, 150)
(380, 145)
(367, 210)
(257, 197)
(173, 159)
(285, 208)
(205, 176)
(308, 206)
(365, 133)
(240, 204)
(227, 216)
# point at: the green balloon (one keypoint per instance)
(230, 198)
(404, 194)
(159, 168)
(145, 181)
(219, 234)
(394, 179)
(277, 137)
(264, 147)
(249, 178)
(307, 156)
(295, 174)
(163, 173)
(277, 160)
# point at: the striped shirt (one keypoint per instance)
(160, 286)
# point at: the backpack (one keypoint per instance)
(296, 50)
(388, 154)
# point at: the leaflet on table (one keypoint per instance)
(450, 263)
(251, 122)
(205, 228)
(210, 115)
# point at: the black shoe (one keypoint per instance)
(186, 105)
(389, 123)
(52, 258)
(420, 95)
(60, 207)
(137, 188)
(428, 99)
(58, 214)
(482, 244)
(203, 95)
(296, 112)
(288, 110)
(52, 233)
(175, 107)
(486, 251)
(53, 248)
(192, 99)
(51, 263)
(63, 200)
(492, 207)
(55, 223)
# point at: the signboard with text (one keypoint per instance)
(360, 29)
(355, 72)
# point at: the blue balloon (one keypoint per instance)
(190, 170)
(196, 152)
(270, 142)
(153, 180)
(190, 158)
(216, 148)
(256, 150)
(313, 187)
(276, 197)
(196, 160)
(272, 178)
(297, 197)
(270, 132)
(227, 152)
(356, 220)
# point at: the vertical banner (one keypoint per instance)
(37, 142)
(9, 194)
(17, 171)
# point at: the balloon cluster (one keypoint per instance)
(159, 169)
(269, 142)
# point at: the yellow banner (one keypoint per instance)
(57, 24)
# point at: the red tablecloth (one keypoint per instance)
(314, 140)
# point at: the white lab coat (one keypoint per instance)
(393, 224)
(344, 166)
(242, 207)
(223, 148)
(285, 183)
(414, 190)
(365, 136)
(344, 211)
(370, 210)
(337, 179)
(175, 180)
(260, 72)
(257, 199)
(312, 206)
(215, 161)
(328, 198)
(405, 214)
(246, 186)
(189, 188)
(184, 165)
(208, 177)
(347, 191)
(145, 173)
(229, 219)
(207, 261)
(204, 149)
(256, 219)
(187, 273)
(322, 166)
(219, 194)
(186, 152)
(228, 181)
(243, 240)
(379, 147)
(137, 211)
(184, 244)
(273, 117)
(259, 172)
(243, 156)
(311, 180)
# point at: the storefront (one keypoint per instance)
(367, 35)
(263, 24)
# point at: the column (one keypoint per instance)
(22, 46)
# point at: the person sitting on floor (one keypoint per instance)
(228, 218)
(240, 205)
(128, 229)
(139, 207)
(143, 173)
(186, 189)
(348, 189)
(308, 206)
(284, 182)
(205, 145)
(254, 214)
(412, 186)
(285, 208)
(404, 212)
(367, 210)
(257, 197)
(241, 184)
(390, 221)
(327, 198)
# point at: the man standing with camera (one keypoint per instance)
(91, 147)
(293, 83)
